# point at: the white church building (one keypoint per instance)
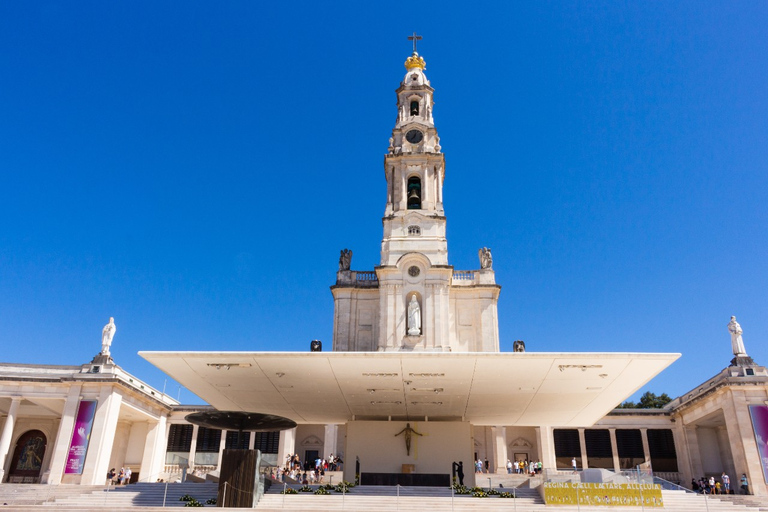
(410, 385)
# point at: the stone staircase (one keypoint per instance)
(749, 501)
(149, 496)
(139, 495)
(37, 494)
(438, 499)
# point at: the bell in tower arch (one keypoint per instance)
(414, 193)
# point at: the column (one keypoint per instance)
(252, 440)
(683, 453)
(692, 444)
(583, 444)
(286, 445)
(614, 450)
(646, 449)
(501, 455)
(222, 447)
(102, 437)
(193, 447)
(153, 459)
(64, 435)
(744, 449)
(7, 435)
(331, 434)
(546, 442)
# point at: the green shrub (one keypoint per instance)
(322, 490)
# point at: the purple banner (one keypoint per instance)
(81, 434)
(759, 415)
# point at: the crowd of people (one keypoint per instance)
(712, 486)
(122, 478)
(308, 472)
(520, 467)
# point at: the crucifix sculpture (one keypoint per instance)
(408, 431)
(414, 38)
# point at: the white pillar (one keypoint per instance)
(546, 442)
(153, 460)
(286, 445)
(102, 437)
(222, 446)
(331, 434)
(500, 454)
(193, 447)
(64, 435)
(7, 435)
(646, 449)
(583, 444)
(615, 450)
(252, 440)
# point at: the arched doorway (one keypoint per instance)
(28, 457)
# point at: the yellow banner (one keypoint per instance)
(612, 495)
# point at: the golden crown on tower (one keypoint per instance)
(415, 61)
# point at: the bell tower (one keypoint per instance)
(414, 219)
(414, 300)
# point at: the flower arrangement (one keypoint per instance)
(322, 490)
(289, 490)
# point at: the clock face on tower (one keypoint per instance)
(414, 136)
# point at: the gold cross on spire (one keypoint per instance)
(414, 38)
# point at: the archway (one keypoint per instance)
(28, 457)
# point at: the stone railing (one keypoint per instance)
(367, 278)
(473, 277)
(357, 279)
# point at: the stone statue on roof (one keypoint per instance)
(345, 259)
(106, 336)
(486, 259)
(737, 343)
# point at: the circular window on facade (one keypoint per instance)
(414, 271)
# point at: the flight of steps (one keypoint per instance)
(385, 499)
(751, 501)
(37, 494)
(685, 501)
(438, 499)
(139, 495)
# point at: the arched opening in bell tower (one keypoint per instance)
(414, 193)
(414, 108)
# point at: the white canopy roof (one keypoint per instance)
(530, 389)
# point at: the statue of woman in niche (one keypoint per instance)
(737, 343)
(414, 317)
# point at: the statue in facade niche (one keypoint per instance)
(345, 260)
(737, 343)
(486, 259)
(106, 336)
(414, 317)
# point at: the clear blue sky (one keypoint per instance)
(193, 170)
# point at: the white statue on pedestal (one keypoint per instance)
(737, 343)
(106, 336)
(414, 317)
